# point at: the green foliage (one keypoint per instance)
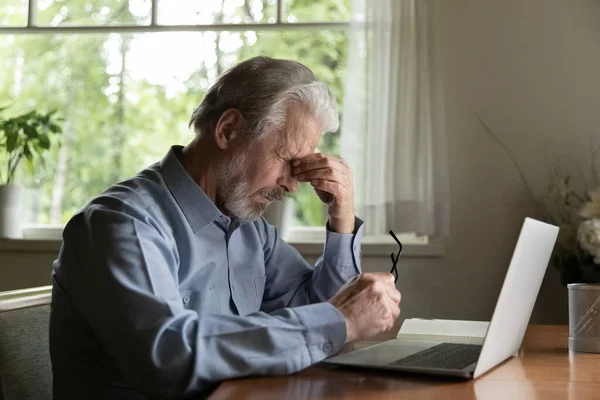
(24, 137)
(119, 120)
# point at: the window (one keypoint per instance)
(126, 74)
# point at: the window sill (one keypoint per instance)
(378, 247)
(307, 240)
(30, 245)
(371, 247)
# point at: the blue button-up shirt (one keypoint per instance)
(157, 292)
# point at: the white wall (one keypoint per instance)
(531, 69)
(20, 270)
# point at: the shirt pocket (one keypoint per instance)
(247, 294)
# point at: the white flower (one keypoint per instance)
(588, 235)
(591, 209)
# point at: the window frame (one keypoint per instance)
(297, 234)
(54, 231)
(304, 236)
(154, 26)
(48, 239)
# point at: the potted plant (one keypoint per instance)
(26, 138)
(576, 253)
(577, 214)
(577, 256)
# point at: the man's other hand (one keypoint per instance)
(370, 303)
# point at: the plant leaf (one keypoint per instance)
(44, 141)
(25, 117)
(38, 149)
(42, 161)
(30, 166)
(27, 152)
(55, 128)
(30, 131)
(11, 140)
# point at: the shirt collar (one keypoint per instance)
(197, 207)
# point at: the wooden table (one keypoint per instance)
(544, 370)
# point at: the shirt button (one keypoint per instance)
(327, 347)
(186, 299)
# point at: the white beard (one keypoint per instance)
(234, 193)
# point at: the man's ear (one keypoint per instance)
(228, 128)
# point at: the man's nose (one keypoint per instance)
(289, 180)
(293, 185)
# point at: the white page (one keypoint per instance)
(444, 330)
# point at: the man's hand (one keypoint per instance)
(332, 179)
(369, 303)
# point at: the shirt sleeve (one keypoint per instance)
(118, 272)
(291, 280)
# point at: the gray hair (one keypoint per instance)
(262, 88)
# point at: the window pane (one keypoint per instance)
(127, 98)
(13, 13)
(316, 11)
(207, 12)
(93, 12)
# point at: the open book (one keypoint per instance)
(444, 330)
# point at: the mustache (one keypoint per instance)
(275, 193)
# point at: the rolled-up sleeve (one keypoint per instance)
(292, 281)
(122, 279)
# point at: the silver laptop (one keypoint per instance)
(505, 331)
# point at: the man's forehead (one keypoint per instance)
(298, 145)
(301, 135)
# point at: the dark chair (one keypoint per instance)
(25, 369)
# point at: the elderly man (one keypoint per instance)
(171, 281)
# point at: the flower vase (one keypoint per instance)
(584, 321)
(10, 211)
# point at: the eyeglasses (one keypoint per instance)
(394, 270)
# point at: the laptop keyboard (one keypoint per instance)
(445, 355)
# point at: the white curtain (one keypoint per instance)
(393, 132)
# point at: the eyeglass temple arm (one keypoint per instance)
(395, 238)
